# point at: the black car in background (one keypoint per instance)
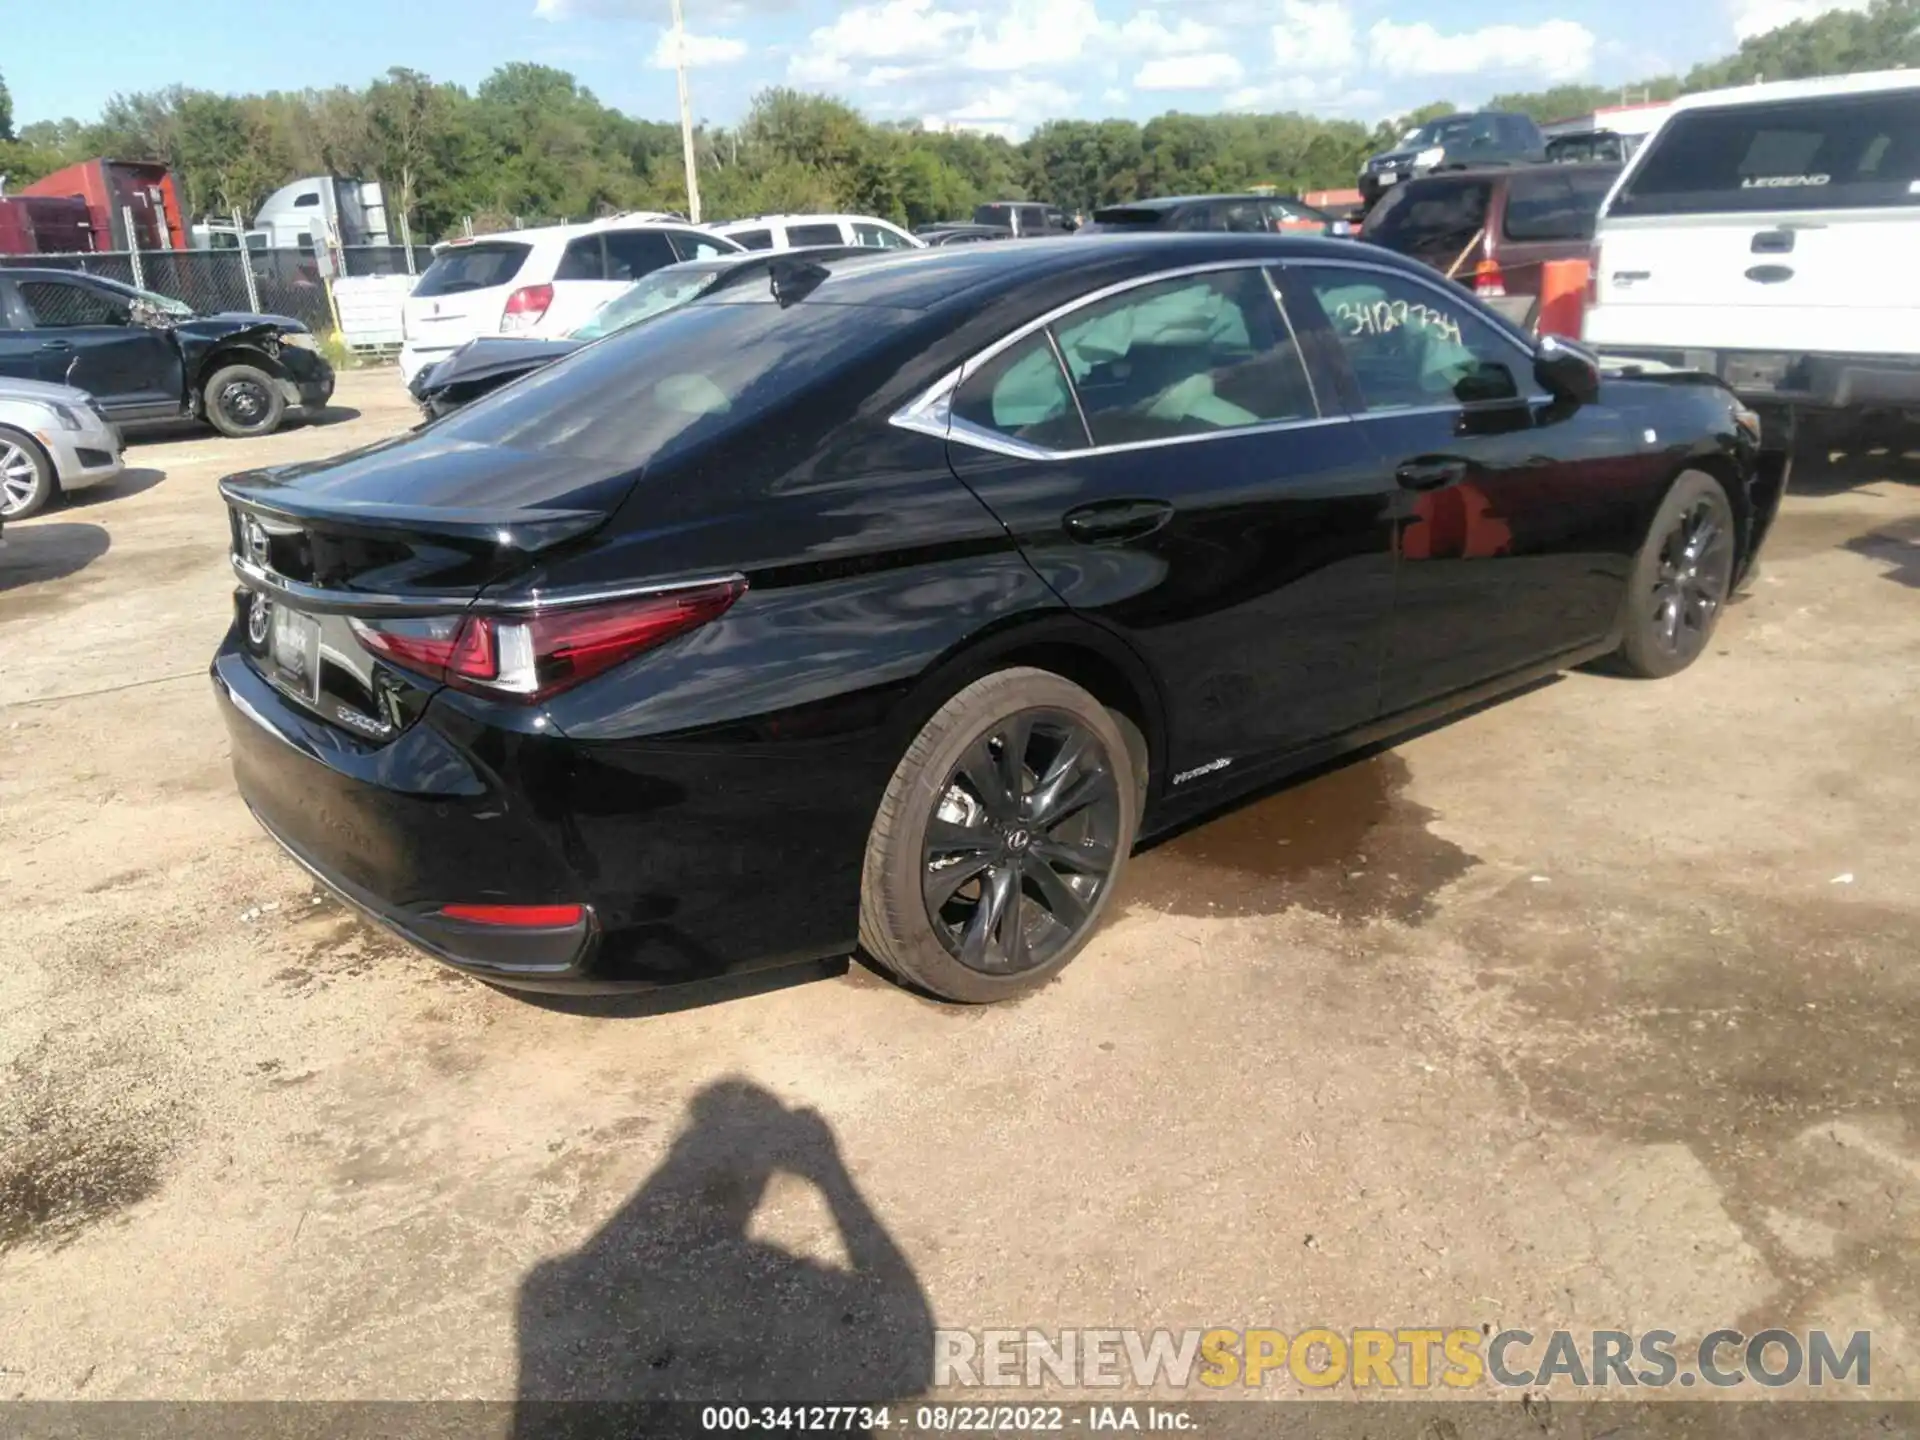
(148, 357)
(1486, 137)
(1239, 214)
(891, 607)
(956, 233)
(482, 366)
(1023, 218)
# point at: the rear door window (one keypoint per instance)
(753, 239)
(1180, 357)
(473, 267)
(634, 253)
(1836, 152)
(877, 236)
(1555, 205)
(799, 235)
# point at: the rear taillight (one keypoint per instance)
(1593, 277)
(533, 656)
(525, 308)
(525, 917)
(1488, 281)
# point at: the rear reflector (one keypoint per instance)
(531, 657)
(525, 917)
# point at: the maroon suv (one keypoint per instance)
(1492, 230)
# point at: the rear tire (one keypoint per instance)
(1681, 579)
(1000, 839)
(27, 480)
(243, 401)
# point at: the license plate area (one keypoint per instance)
(293, 650)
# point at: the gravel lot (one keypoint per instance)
(1597, 1008)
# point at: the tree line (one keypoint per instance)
(531, 143)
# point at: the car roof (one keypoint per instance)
(750, 221)
(1169, 202)
(61, 272)
(931, 278)
(1864, 84)
(536, 234)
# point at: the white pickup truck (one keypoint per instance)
(1770, 235)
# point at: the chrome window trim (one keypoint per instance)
(322, 600)
(919, 414)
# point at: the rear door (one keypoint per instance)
(1792, 224)
(463, 293)
(1162, 460)
(86, 337)
(597, 268)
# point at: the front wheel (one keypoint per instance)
(1000, 839)
(243, 400)
(27, 481)
(1681, 579)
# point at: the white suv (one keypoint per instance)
(791, 232)
(1771, 236)
(537, 283)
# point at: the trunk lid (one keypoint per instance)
(415, 528)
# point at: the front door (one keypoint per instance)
(1163, 462)
(85, 336)
(1517, 511)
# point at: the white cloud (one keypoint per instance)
(701, 50)
(1032, 34)
(1302, 92)
(1756, 17)
(893, 30)
(1555, 50)
(1146, 32)
(1009, 109)
(1189, 72)
(1314, 35)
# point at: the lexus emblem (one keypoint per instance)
(1018, 839)
(258, 550)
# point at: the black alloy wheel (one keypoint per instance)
(1021, 846)
(1001, 838)
(1681, 579)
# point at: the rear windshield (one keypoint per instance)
(1430, 216)
(1836, 152)
(1556, 204)
(683, 377)
(993, 215)
(1121, 217)
(473, 267)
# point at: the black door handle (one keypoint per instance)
(1107, 521)
(56, 344)
(1430, 472)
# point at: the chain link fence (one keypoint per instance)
(283, 282)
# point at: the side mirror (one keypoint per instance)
(1568, 371)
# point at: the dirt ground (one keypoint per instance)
(1596, 1009)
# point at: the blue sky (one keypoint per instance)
(988, 64)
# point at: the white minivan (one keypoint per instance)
(537, 283)
(1771, 236)
(795, 232)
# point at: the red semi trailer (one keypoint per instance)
(111, 188)
(44, 225)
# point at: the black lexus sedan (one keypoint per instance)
(891, 610)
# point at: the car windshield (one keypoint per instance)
(1438, 132)
(165, 304)
(659, 292)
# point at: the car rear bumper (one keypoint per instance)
(401, 830)
(1802, 379)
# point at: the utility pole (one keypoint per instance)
(686, 113)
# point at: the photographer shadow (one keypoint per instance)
(674, 1300)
